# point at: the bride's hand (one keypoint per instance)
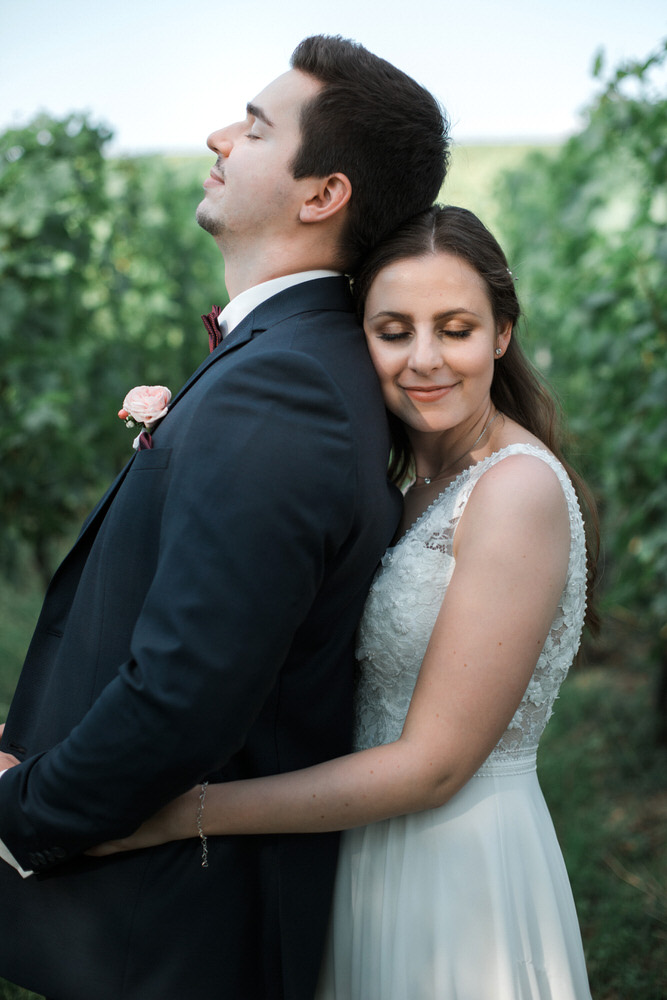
(176, 821)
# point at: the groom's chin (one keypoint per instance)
(206, 221)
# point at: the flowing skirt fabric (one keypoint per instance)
(470, 901)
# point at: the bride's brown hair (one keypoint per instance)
(517, 389)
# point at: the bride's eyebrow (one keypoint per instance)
(256, 112)
(389, 314)
(456, 312)
(444, 315)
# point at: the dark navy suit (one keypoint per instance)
(202, 626)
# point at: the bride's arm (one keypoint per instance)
(511, 549)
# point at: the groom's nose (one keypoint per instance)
(221, 141)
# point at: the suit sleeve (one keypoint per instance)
(259, 498)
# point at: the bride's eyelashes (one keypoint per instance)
(389, 336)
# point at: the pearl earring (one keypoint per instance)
(499, 351)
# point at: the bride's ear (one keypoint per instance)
(503, 337)
(329, 197)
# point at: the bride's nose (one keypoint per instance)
(425, 354)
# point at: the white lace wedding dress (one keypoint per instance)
(470, 901)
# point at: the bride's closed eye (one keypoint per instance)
(391, 335)
(459, 334)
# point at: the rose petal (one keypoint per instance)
(147, 403)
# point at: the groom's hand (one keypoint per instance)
(6, 759)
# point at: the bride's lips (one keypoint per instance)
(427, 394)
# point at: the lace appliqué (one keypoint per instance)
(404, 602)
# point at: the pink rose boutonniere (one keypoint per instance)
(143, 407)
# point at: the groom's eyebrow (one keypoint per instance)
(258, 113)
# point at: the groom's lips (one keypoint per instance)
(214, 179)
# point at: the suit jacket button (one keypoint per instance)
(58, 852)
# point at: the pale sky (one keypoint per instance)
(164, 73)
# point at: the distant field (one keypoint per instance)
(472, 177)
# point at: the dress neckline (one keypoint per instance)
(534, 449)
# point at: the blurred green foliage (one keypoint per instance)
(603, 779)
(103, 274)
(585, 228)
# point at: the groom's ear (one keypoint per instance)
(331, 194)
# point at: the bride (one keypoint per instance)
(450, 881)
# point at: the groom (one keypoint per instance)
(202, 627)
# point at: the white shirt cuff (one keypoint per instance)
(7, 856)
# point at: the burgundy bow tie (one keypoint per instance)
(210, 321)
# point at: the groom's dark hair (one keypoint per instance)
(380, 128)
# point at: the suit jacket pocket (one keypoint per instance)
(151, 458)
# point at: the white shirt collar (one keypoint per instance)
(244, 303)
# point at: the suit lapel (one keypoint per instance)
(244, 331)
(319, 294)
(239, 336)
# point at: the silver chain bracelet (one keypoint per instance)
(200, 829)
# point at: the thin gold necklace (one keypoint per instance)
(443, 472)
